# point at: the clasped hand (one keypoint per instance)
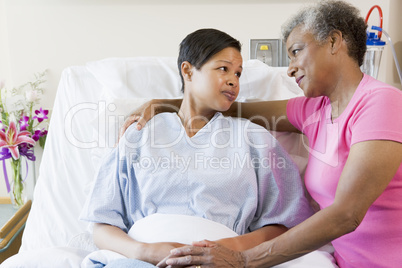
(204, 253)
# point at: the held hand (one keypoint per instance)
(207, 254)
(204, 243)
(155, 252)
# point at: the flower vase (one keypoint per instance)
(18, 194)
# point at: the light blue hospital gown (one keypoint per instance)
(232, 172)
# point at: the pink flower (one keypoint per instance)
(12, 138)
(41, 114)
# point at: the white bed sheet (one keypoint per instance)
(89, 105)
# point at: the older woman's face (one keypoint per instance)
(310, 63)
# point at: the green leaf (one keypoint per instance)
(42, 141)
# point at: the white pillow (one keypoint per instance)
(155, 77)
(139, 77)
(178, 228)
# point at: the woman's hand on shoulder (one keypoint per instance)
(142, 115)
(148, 110)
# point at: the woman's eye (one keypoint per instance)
(223, 68)
(295, 51)
(238, 74)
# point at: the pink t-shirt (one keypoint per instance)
(374, 113)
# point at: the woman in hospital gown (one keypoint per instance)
(198, 163)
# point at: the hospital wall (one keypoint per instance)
(51, 35)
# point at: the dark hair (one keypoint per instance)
(326, 16)
(198, 47)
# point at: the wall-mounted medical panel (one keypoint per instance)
(270, 51)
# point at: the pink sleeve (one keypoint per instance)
(378, 116)
(300, 108)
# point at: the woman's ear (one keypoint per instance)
(186, 70)
(336, 41)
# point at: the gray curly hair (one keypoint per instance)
(324, 17)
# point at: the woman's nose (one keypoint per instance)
(232, 81)
(291, 69)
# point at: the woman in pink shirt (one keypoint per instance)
(354, 127)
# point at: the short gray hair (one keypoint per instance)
(324, 17)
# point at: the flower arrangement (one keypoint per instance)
(20, 129)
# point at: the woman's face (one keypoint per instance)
(215, 85)
(310, 63)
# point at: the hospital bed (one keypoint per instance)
(90, 105)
